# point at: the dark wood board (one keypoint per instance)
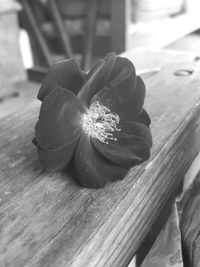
(46, 219)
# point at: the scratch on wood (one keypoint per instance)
(14, 137)
(17, 162)
(149, 165)
(7, 193)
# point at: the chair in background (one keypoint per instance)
(62, 29)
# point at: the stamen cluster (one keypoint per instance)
(99, 122)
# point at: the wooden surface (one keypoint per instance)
(18, 97)
(48, 220)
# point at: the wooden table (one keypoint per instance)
(46, 219)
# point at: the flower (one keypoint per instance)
(93, 121)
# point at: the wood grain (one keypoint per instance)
(46, 219)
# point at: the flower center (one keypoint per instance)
(99, 122)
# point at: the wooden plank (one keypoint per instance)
(78, 8)
(21, 94)
(120, 21)
(47, 220)
(37, 74)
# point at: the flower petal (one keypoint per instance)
(91, 168)
(125, 99)
(121, 63)
(66, 74)
(97, 77)
(132, 146)
(59, 120)
(57, 160)
(144, 118)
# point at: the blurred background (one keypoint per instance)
(35, 34)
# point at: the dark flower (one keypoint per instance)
(95, 121)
